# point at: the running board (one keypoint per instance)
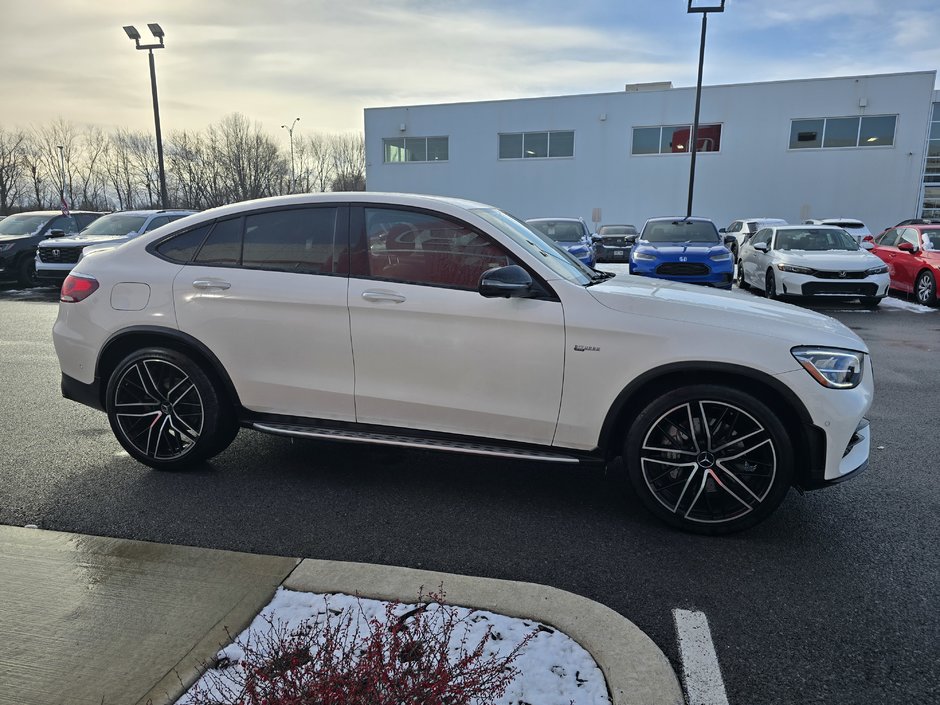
(387, 439)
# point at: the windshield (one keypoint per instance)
(813, 240)
(560, 263)
(617, 230)
(558, 231)
(115, 224)
(22, 224)
(931, 239)
(680, 231)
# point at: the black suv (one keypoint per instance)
(613, 243)
(20, 233)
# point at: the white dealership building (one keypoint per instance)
(866, 147)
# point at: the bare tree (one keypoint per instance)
(11, 167)
(348, 154)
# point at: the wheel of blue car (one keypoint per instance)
(709, 459)
(166, 411)
(770, 285)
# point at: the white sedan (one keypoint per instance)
(811, 260)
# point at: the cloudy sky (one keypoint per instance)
(274, 60)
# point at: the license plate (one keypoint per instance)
(618, 253)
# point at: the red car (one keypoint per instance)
(912, 253)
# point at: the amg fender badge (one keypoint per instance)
(586, 348)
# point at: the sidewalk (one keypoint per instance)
(86, 620)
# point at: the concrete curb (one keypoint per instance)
(636, 670)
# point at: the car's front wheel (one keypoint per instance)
(770, 285)
(739, 277)
(166, 411)
(709, 459)
(926, 289)
(26, 273)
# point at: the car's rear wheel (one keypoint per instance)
(770, 285)
(739, 277)
(26, 272)
(166, 411)
(709, 459)
(925, 290)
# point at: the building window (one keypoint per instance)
(931, 195)
(416, 149)
(536, 145)
(675, 139)
(868, 131)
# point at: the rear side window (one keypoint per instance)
(295, 240)
(182, 248)
(156, 223)
(224, 244)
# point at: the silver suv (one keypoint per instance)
(56, 257)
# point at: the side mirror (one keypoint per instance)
(596, 238)
(507, 282)
(761, 246)
(56, 233)
(631, 239)
(906, 247)
(723, 230)
(868, 245)
(729, 239)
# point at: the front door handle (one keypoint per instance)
(379, 296)
(211, 284)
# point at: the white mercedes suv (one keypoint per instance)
(448, 325)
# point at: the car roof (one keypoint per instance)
(554, 220)
(804, 226)
(50, 214)
(673, 218)
(163, 211)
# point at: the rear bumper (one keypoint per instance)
(87, 394)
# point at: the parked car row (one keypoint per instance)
(21, 233)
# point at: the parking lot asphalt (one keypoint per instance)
(833, 600)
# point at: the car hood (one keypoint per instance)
(7, 238)
(672, 249)
(716, 309)
(83, 240)
(850, 261)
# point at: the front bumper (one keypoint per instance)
(720, 279)
(612, 254)
(793, 284)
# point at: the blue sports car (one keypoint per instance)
(683, 249)
(570, 234)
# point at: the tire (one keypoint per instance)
(925, 289)
(871, 301)
(739, 277)
(26, 272)
(687, 468)
(166, 411)
(770, 285)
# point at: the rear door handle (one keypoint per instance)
(211, 284)
(379, 296)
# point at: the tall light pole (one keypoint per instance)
(157, 32)
(290, 131)
(704, 7)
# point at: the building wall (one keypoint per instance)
(754, 174)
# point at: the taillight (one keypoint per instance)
(77, 287)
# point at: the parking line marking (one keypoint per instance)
(701, 676)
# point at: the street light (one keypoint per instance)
(704, 7)
(157, 31)
(290, 131)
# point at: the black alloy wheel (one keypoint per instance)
(739, 277)
(26, 272)
(709, 459)
(166, 411)
(770, 285)
(925, 290)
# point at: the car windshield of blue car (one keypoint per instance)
(561, 263)
(22, 224)
(115, 224)
(932, 240)
(558, 231)
(681, 231)
(815, 240)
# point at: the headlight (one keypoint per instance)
(793, 268)
(721, 257)
(831, 367)
(643, 256)
(883, 269)
(6, 246)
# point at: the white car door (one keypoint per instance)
(430, 352)
(754, 260)
(263, 294)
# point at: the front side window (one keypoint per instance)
(421, 248)
(536, 145)
(762, 236)
(889, 238)
(415, 149)
(64, 222)
(909, 235)
(157, 222)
